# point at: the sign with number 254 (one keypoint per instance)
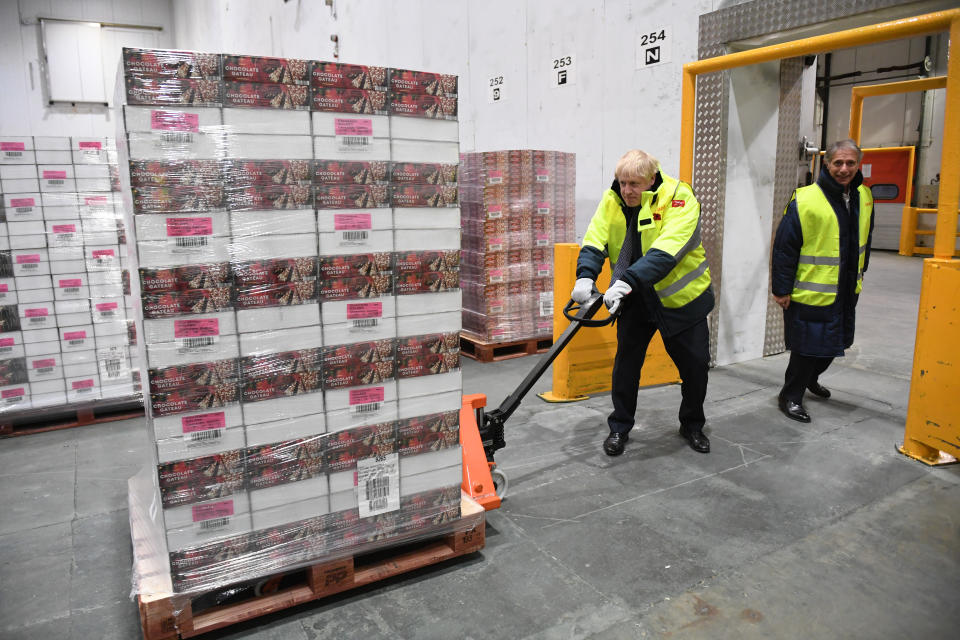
(654, 47)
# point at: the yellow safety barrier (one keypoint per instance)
(586, 365)
(933, 414)
(910, 230)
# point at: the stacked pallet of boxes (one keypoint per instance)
(297, 234)
(64, 339)
(516, 205)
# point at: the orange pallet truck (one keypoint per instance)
(482, 433)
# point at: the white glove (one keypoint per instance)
(615, 294)
(582, 290)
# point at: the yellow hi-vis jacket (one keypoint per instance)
(818, 270)
(668, 223)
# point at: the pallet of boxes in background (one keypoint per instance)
(516, 205)
(65, 336)
(297, 290)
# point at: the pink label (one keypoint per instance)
(353, 127)
(4, 288)
(103, 253)
(82, 384)
(177, 227)
(36, 313)
(366, 396)
(23, 202)
(12, 393)
(543, 207)
(496, 274)
(72, 282)
(495, 177)
(174, 121)
(204, 422)
(89, 144)
(64, 228)
(54, 175)
(495, 243)
(6, 342)
(544, 269)
(344, 221)
(43, 364)
(543, 239)
(494, 211)
(196, 328)
(12, 146)
(106, 306)
(95, 200)
(543, 175)
(213, 510)
(29, 258)
(357, 310)
(75, 335)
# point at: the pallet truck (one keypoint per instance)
(482, 432)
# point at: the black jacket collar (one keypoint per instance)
(832, 188)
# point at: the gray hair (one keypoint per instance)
(843, 144)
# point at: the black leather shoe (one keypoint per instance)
(819, 390)
(614, 443)
(696, 439)
(793, 410)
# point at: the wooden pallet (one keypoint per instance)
(67, 418)
(172, 617)
(474, 347)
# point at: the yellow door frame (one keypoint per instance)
(933, 416)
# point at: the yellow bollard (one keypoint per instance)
(932, 434)
(586, 365)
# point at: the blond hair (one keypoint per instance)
(636, 164)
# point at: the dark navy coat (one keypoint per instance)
(811, 330)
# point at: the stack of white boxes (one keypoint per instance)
(65, 336)
(300, 325)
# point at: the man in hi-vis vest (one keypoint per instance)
(820, 253)
(648, 225)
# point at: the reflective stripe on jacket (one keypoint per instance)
(668, 222)
(818, 269)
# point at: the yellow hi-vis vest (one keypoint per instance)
(672, 225)
(818, 270)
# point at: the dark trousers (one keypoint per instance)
(689, 350)
(802, 371)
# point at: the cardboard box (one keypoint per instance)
(15, 397)
(352, 101)
(173, 118)
(173, 92)
(194, 276)
(39, 315)
(342, 124)
(30, 297)
(180, 352)
(71, 286)
(54, 157)
(17, 150)
(202, 442)
(265, 173)
(276, 405)
(266, 70)
(353, 241)
(449, 458)
(8, 291)
(284, 307)
(101, 257)
(188, 328)
(427, 402)
(175, 145)
(160, 254)
(267, 147)
(11, 346)
(76, 338)
(351, 148)
(84, 388)
(23, 206)
(268, 342)
(170, 63)
(426, 218)
(361, 415)
(309, 427)
(106, 311)
(404, 150)
(445, 302)
(90, 150)
(18, 172)
(336, 74)
(264, 95)
(278, 246)
(359, 321)
(266, 197)
(82, 363)
(337, 220)
(19, 185)
(181, 425)
(412, 129)
(226, 526)
(177, 229)
(268, 223)
(44, 367)
(423, 82)
(291, 512)
(426, 239)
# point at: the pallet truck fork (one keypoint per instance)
(482, 432)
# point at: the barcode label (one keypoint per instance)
(178, 137)
(354, 236)
(496, 278)
(378, 484)
(190, 242)
(70, 290)
(13, 154)
(366, 323)
(23, 210)
(29, 265)
(369, 407)
(200, 342)
(54, 182)
(204, 437)
(353, 143)
(546, 304)
(6, 349)
(83, 390)
(214, 523)
(75, 342)
(39, 319)
(13, 399)
(111, 367)
(43, 370)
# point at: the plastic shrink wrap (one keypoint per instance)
(297, 289)
(65, 332)
(516, 206)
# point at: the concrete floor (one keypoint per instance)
(785, 530)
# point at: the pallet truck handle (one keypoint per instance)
(572, 312)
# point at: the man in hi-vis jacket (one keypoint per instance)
(648, 224)
(820, 253)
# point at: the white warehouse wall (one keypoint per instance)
(608, 106)
(23, 104)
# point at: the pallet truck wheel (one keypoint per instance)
(500, 481)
